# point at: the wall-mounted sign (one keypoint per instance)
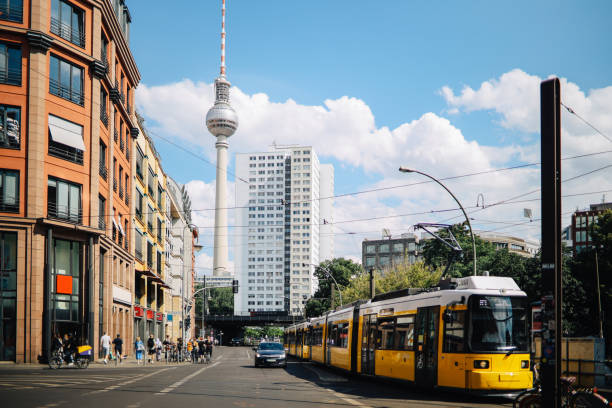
(386, 312)
(150, 314)
(159, 317)
(169, 317)
(138, 311)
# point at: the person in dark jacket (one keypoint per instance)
(151, 347)
(118, 343)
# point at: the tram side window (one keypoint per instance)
(339, 335)
(454, 328)
(317, 336)
(385, 334)
(405, 332)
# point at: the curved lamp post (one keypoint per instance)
(331, 276)
(405, 170)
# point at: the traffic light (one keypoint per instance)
(235, 285)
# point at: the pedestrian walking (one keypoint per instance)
(158, 349)
(140, 349)
(166, 344)
(118, 344)
(150, 348)
(194, 350)
(105, 342)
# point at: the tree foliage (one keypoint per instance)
(220, 301)
(397, 277)
(343, 270)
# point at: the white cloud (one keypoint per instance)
(345, 129)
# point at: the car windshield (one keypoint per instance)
(497, 323)
(271, 346)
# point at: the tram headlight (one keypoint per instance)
(481, 364)
(524, 363)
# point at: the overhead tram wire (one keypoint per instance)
(573, 112)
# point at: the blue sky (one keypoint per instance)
(391, 60)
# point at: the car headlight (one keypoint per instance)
(258, 355)
(282, 356)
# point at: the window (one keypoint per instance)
(150, 219)
(159, 263)
(138, 245)
(383, 248)
(9, 190)
(103, 169)
(151, 183)
(149, 254)
(103, 109)
(404, 329)
(398, 247)
(66, 80)
(159, 197)
(66, 276)
(101, 212)
(10, 64)
(67, 22)
(64, 200)
(338, 335)
(159, 229)
(370, 261)
(384, 260)
(139, 204)
(66, 140)
(385, 334)
(10, 126)
(11, 10)
(104, 50)
(139, 159)
(454, 326)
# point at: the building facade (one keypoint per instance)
(582, 222)
(519, 246)
(283, 213)
(66, 131)
(179, 257)
(149, 192)
(383, 253)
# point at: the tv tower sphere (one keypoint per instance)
(221, 119)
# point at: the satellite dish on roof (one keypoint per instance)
(386, 233)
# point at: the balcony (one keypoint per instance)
(74, 35)
(10, 76)
(57, 89)
(114, 184)
(63, 213)
(65, 152)
(103, 171)
(11, 12)
(116, 136)
(121, 192)
(104, 117)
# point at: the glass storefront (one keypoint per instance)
(66, 278)
(8, 295)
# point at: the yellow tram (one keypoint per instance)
(468, 334)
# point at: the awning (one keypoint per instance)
(119, 227)
(67, 133)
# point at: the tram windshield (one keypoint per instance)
(498, 323)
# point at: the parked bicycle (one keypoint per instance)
(570, 397)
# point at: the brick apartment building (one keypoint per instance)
(67, 124)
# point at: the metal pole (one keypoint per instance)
(550, 111)
(405, 170)
(372, 287)
(599, 312)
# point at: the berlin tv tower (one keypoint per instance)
(222, 122)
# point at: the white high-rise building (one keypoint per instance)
(284, 220)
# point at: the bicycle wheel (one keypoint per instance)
(519, 398)
(584, 399)
(531, 401)
(82, 362)
(55, 363)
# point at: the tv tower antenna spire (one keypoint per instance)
(222, 122)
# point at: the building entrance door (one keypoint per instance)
(8, 295)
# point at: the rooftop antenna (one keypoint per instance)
(223, 38)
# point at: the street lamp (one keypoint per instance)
(191, 226)
(331, 276)
(405, 170)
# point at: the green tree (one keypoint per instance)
(272, 332)
(343, 270)
(220, 301)
(397, 277)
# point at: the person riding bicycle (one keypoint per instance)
(167, 345)
(209, 348)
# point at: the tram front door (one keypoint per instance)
(368, 344)
(426, 352)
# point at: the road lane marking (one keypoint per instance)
(184, 380)
(121, 384)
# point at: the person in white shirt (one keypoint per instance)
(105, 342)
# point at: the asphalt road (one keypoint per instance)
(230, 380)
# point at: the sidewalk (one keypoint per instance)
(128, 362)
